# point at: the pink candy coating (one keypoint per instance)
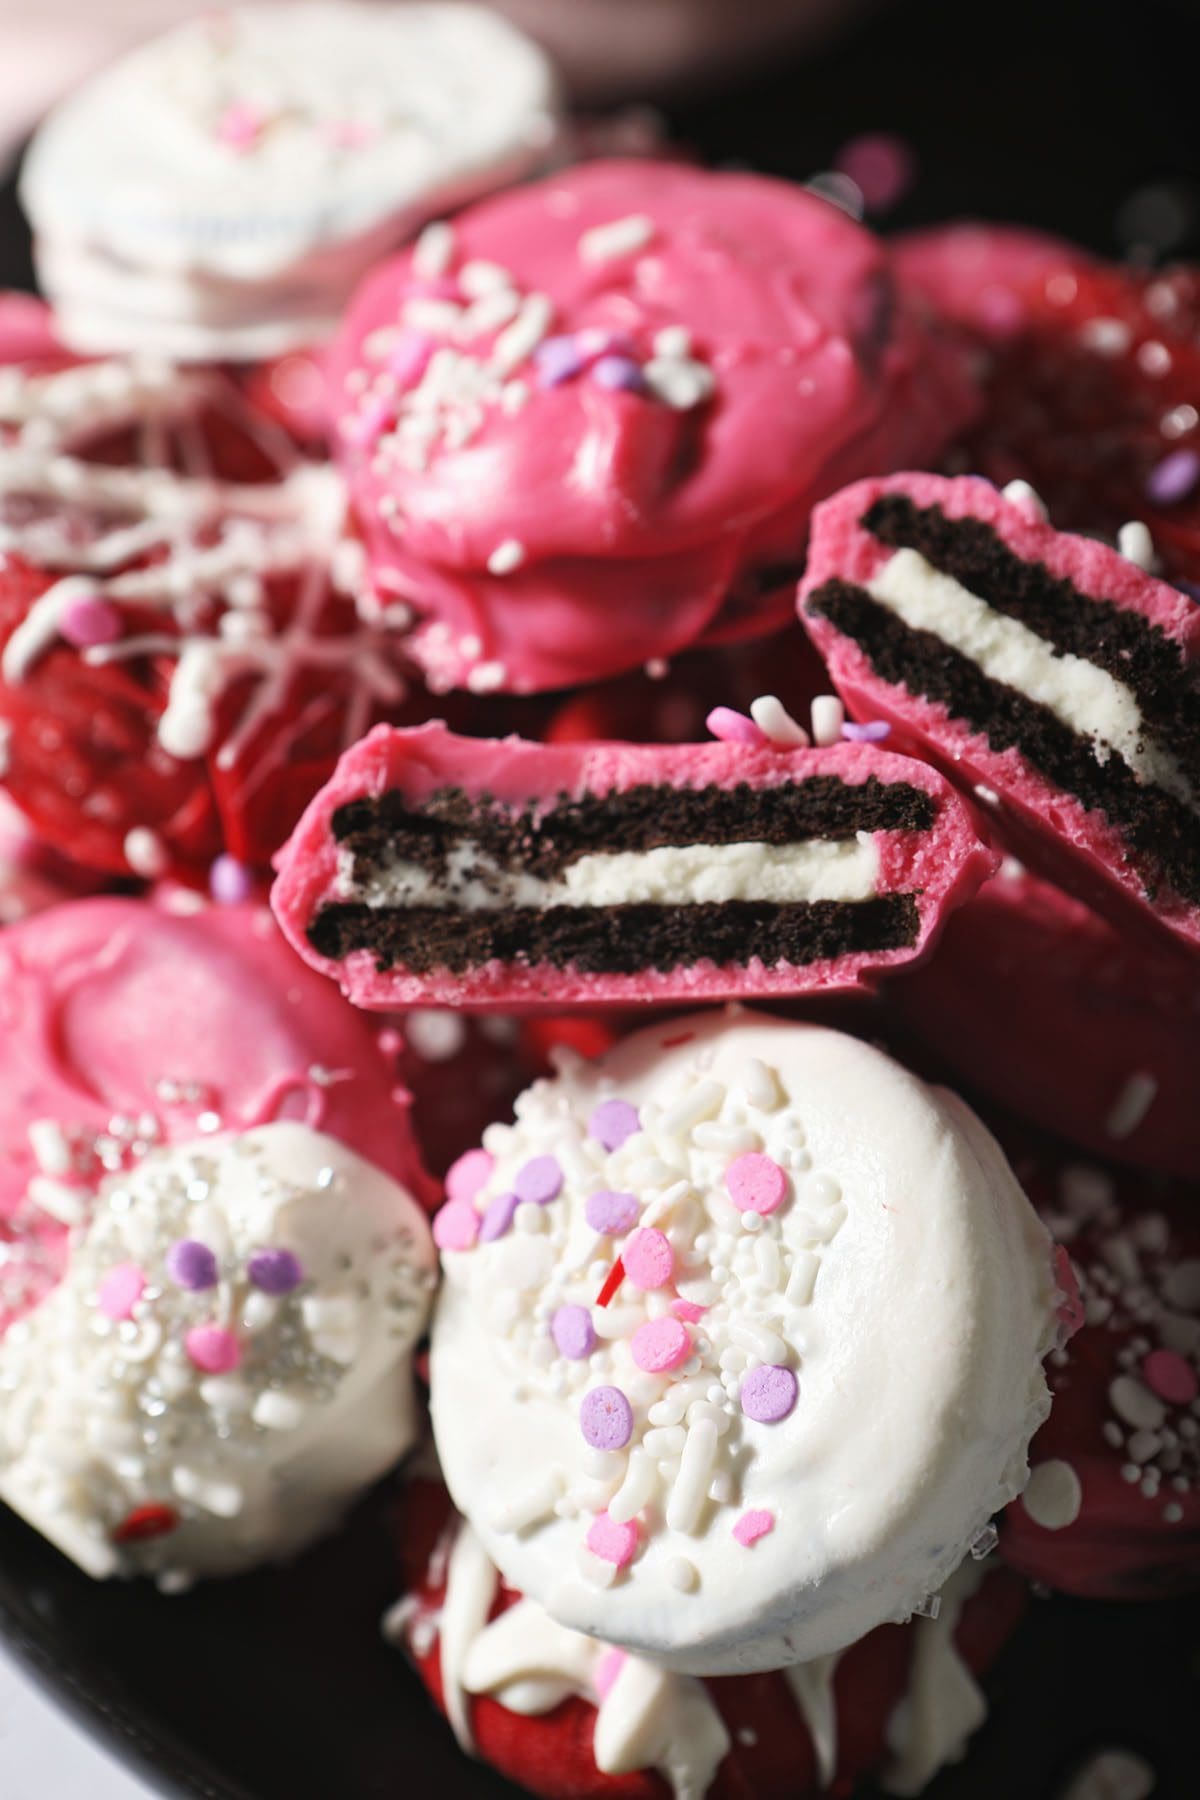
(470, 1172)
(649, 1259)
(660, 1344)
(688, 1310)
(612, 1542)
(1169, 1376)
(756, 1183)
(753, 1525)
(456, 1226)
(121, 1290)
(213, 1349)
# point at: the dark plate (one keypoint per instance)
(278, 1686)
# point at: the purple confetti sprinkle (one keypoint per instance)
(497, 1218)
(611, 1214)
(620, 374)
(1174, 478)
(557, 359)
(275, 1271)
(769, 1393)
(573, 1332)
(192, 1265)
(872, 731)
(229, 881)
(612, 1122)
(539, 1180)
(606, 1418)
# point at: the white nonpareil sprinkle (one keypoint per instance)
(619, 237)
(506, 557)
(1131, 1105)
(1136, 545)
(1112, 1775)
(777, 724)
(828, 717)
(1019, 493)
(145, 852)
(433, 250)
(679, 383)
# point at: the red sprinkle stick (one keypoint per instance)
(612, 1282)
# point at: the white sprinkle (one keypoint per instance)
(673, 342)
(435, 1033)
(665, 1440)
(828, 717)
(1131, 1105)
(619, 237)
(777, 724)
(486, 677)
(1112, 1775)
(760, 1084)
(1053, 1495)
(701, 1102)
(51, 1147)
(1019, 493)
(752, 1335)
(766, 1261)
(518, 341)
(532, 1504)
(1132, 1401)
(680, 385)
(695, 1472)
(66, 1204)
(1107, 337)
(638, 1488)
(1143, 1445)
(276, 1411)
(144, 852)
(506, 557)
(433, 251)
(1172, 1512)
(1136, 545)
(1181, 1285)
(477, 278)
(803, 1278)
(221, 1498)
(682, 1574)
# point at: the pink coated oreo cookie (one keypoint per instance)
(129, 1027)
(1049, 671)
(1038, 1002)
(439, 870)
(657, 334)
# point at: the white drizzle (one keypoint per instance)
(215, 546)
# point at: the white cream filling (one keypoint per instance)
(671, 875)
(1081, 696)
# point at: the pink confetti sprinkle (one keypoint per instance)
(391, 1043)
(469, 1174)
(612, 1542)
(660, 1344)
(881, 166)
(456, 1226)
(734, 727)
(121, 1290)
(241, 125)
(687, 1309)
(613, 1122)
(1170, 1377)
(756, 1183)
(752, 1526)
(607, 1670)
(213, 1349)
(90, 620)
(649, 1259)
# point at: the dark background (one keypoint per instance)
(277, 1687)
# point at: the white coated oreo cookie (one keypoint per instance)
(218, 192)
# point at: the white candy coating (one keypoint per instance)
(219, 191)
(909, 1291)
(102, 1415)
